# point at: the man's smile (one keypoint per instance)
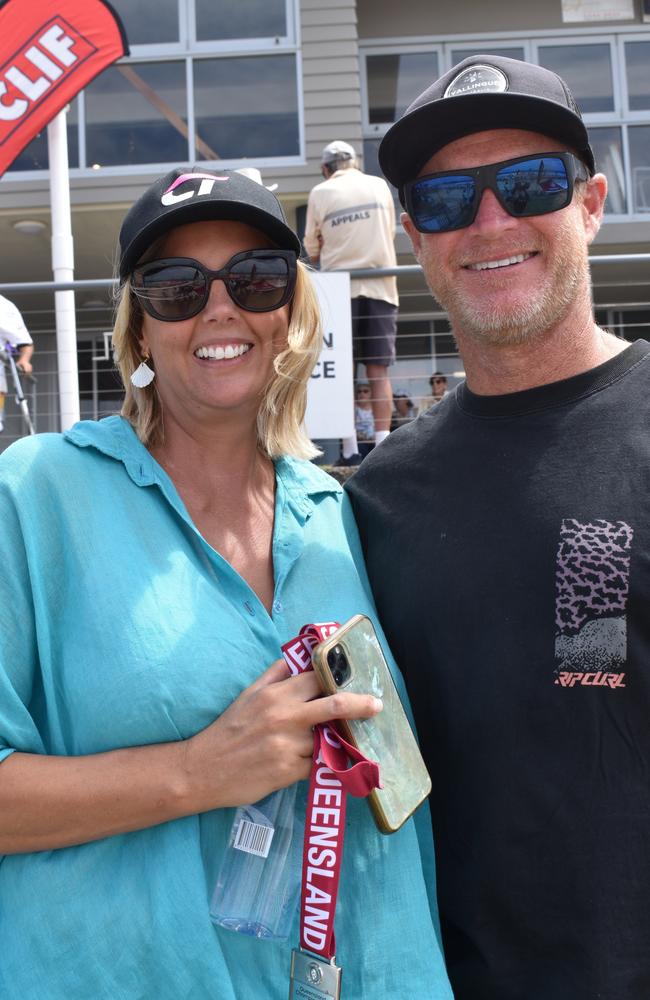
(504, 262)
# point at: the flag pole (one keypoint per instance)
(63, 270)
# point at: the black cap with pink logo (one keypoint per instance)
(483, 92)
(183, 196)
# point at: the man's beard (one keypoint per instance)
(527, 318)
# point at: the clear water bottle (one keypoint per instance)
(258, 887)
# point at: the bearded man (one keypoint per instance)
(512, 516)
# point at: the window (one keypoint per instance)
(639, 139)
(246, 107)
(35, 156)
(136, 113)
(207, 80)
(606, 71)
(149, 22)
(223, 19)
(394, 80)
(637, 59)
(588, 71)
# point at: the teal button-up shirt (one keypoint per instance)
(120, 626)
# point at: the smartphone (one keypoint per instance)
(352, 660)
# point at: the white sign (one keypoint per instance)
(597, 10)
(330, 394)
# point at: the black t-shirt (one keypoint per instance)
(508, 545)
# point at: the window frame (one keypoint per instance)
(631, 116)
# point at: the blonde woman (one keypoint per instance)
(158, 561)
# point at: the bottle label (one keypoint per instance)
(253, 838)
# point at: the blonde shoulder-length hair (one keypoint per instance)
(283, 403)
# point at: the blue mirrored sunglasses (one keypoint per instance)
(524, 186)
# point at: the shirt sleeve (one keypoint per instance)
(18, 647)
(312, 229)
(12, 325)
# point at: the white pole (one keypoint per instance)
(63, 269)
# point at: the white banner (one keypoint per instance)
(597, 10)
(330, 396)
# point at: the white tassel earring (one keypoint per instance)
(143, 375)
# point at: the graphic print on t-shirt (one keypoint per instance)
(592, 583)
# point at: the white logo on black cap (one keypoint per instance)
(479, 79)
(205, 187)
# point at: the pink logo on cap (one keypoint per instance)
(205, 187)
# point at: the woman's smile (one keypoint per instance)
(222, 352)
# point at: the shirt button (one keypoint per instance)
(277, 606)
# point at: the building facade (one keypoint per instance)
(266, 83)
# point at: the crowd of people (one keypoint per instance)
(404, 409)
(155, 564)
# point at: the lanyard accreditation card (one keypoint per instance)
(314, 973)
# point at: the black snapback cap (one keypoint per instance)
(183, 196)
(482, 92)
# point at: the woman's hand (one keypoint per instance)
(264, 740)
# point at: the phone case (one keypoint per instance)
(386, 738)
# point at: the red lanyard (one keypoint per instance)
(330, 780)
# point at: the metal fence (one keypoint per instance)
(424, 342)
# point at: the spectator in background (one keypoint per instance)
(13, 333)
(351, 225)
(403, 409)
(364, 421)
(438, 383)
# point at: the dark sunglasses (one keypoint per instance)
(178, 288)
(524, 186)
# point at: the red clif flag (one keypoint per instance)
(49, 51)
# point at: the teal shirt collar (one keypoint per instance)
(116, 438)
